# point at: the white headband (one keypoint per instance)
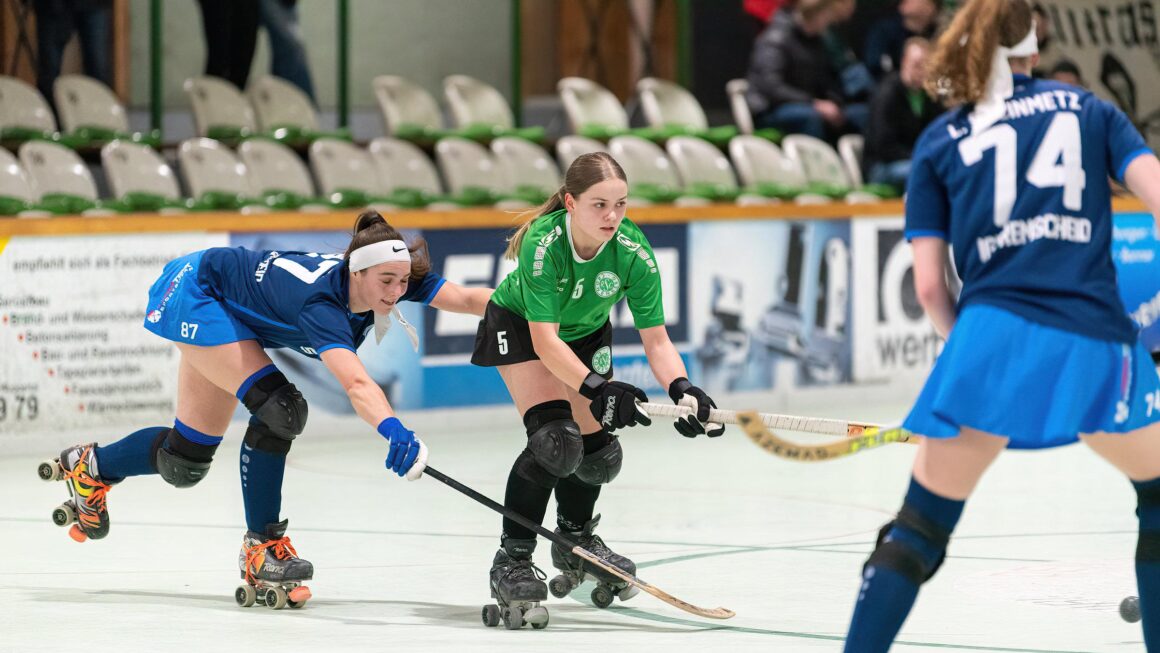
(993, 105)
(384, 251)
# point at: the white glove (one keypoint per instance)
(416, 470)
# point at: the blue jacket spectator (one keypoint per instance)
(884, 41)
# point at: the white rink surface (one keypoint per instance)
(1039, 563)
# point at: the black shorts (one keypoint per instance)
(503, 338)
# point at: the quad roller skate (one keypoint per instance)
(575, 570)
(517, 585)
(85, 510)
(272, 571)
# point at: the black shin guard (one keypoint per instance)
(526, 497)
(576, 498)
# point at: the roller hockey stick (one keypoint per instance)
(713, 613)
(858, 436)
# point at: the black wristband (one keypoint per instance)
(678, 388)
(591, 386)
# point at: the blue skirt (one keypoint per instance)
(180, 310)
(1037, 385)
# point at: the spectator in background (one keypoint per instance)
(231, 32)
(886, 37)
(899, 112)
(762, 10)
(857, 82)
(56, 21)
(1067, 72)
(287, 51)
(792, 83)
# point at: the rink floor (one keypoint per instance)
(1039, 563)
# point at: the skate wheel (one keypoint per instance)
(64, 514)
(490, 615)
(538, 617)
(602, 596)
(628, 592)
(48, 471)
(299, 596)
(513, 618)
(77, 534)
(245, 595)
(560, 587)
(276, 598)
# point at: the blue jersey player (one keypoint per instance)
(222, 307)
(1039, 351)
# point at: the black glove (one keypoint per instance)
(614, 403)
(684, 393)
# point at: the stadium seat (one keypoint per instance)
(90, 112)
(481, 113)
(279, 177)
(140, 178)
(285, 113)
(63, 182)
(594, 112)
(407, 175)
(528, 168)
(409, 111)
(651, 176)
(220, 111)
(473, 176)
(570, 147)
(675, 112)
(850, 149)
(823, 168)
(765, 170)
(17, 197)
(736, 90)
(347, 176)
(706, 172)
(217, 180)
(26, 116)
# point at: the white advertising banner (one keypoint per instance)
(1116, 46)
(73, 353)
(893, 339)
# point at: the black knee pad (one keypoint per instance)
(275, 402)
(901, 557)
(554, 443)
(263, 438)
(180, 462)
(602, 465)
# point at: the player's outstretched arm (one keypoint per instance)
(460, 299)
(669, 370)
(407, 454)
(930, 282)
(1143, 179)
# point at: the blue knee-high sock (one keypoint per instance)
(887, 592)
(1148, 560)
(132, 455)
(262, 473)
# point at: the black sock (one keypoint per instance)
(526, 498)
(575, 499)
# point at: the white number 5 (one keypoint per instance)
(501, 336)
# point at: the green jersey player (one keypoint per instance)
(547, 330)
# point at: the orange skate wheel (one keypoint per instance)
(300, 594)
(77, 534)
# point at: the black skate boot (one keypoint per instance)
(272, 570)
(517, 585)
(86, 510)
(574, 570)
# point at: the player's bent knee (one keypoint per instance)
(275, 402)
(601, 466)
(179, 462)
(901, 556)
(263, 438)
(554, 439)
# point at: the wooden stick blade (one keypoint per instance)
(711, 613)
(870, 438)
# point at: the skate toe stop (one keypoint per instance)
(77, 534)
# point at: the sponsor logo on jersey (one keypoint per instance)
(602, 360)
(626, 242)
(154, 316)
(309, 351)
(606, 284)
(260, 271)
(551, 236)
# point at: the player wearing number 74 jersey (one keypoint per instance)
(1040, 351)
(222, 307)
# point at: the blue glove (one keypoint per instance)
(404, 445)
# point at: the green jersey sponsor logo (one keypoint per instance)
(606, 284)
(602, 360)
